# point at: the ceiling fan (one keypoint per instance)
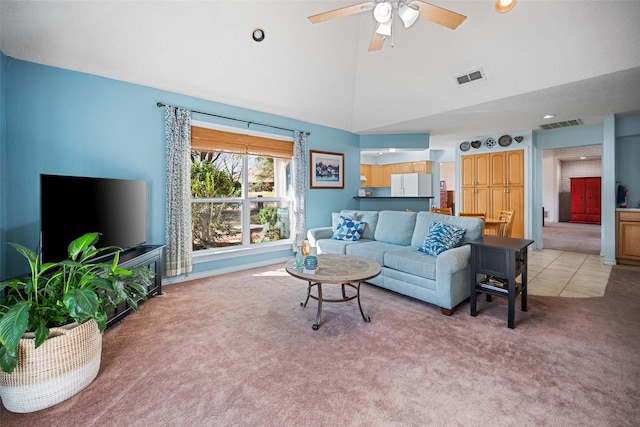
(383, 11)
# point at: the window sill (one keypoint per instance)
(208, 255)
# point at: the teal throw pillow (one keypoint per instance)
(348, 229)
(441, 237)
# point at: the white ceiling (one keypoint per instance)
(575, 59)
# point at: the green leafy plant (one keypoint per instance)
(56, 294)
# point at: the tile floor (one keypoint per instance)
(554, 272)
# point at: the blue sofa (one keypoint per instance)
(392, 239)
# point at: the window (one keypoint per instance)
(240, 188)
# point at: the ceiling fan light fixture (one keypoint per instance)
(384, 28)
(504, 6)
(382, 12)
(408, 14)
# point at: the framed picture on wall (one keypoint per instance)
(327, 169)
(441, 185)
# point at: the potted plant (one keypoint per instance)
(56, 313)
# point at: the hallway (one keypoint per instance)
(566, 236)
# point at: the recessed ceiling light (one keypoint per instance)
(549, 116)
(583, 158)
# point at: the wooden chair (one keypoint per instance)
(443, 211)
(506, 217)
(472, 214)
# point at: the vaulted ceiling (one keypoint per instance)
(575, 59)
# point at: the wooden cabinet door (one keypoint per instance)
(475, 170)
(475, 200)
(406, 167)
(365, 170)
(507, 168)
(592, 196)
(498, 176)
(515, 203)
(467, 166)
(377, 178)
(421, 167)
(577, 196)
(386, 175)
(514, 167)
(482, 170)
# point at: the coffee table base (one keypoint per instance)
(344, 298)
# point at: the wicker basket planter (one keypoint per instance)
(62, 366)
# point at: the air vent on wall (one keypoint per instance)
(470, 77)
(564, 124)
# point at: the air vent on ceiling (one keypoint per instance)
(470, 77)
(558, 125)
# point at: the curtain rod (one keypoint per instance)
(160, 104)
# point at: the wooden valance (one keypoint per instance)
(211, 140)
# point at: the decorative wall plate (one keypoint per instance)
(518, 138)
(490, 142)
(476, 144)
(504, 140)
(464, 146)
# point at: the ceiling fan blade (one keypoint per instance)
(438, 14)
(344, 11)
(377, 40)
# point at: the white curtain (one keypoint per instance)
(178, 217)
(299, 191)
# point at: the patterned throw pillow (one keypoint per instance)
(441, 237)
(348, 229)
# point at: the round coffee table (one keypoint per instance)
(345, 270)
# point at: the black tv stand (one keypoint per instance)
(151, 256)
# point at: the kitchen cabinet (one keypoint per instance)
(585, 200)
(381, 174)
(421, 167)
(365, 170)
(628, 236)
(492, 182)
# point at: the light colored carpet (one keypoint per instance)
(567, 236)
(238, 350)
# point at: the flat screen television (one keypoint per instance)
(71, 206)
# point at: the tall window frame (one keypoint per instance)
(248, 144)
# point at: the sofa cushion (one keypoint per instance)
(371, 218)
(348, 229)
(425, 218)
(330, 246)
(395, 227)
(409, 260)
(372, 250)
(441, 237)
(335, 218)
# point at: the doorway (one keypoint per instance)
(559, 166)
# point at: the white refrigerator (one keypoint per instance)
(411, 185)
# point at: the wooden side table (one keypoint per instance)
(495, 264)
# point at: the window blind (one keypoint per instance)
(212, 140)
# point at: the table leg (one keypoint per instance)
(365, 318)
(304, 304)
(316, 325)
(524, 291)
(512, 303)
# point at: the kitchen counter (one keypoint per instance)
(627, 209)
(392, 203)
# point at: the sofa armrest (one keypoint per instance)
(315, 234)
(453, 260)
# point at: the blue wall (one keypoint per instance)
(65, 122)
(3, 162)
